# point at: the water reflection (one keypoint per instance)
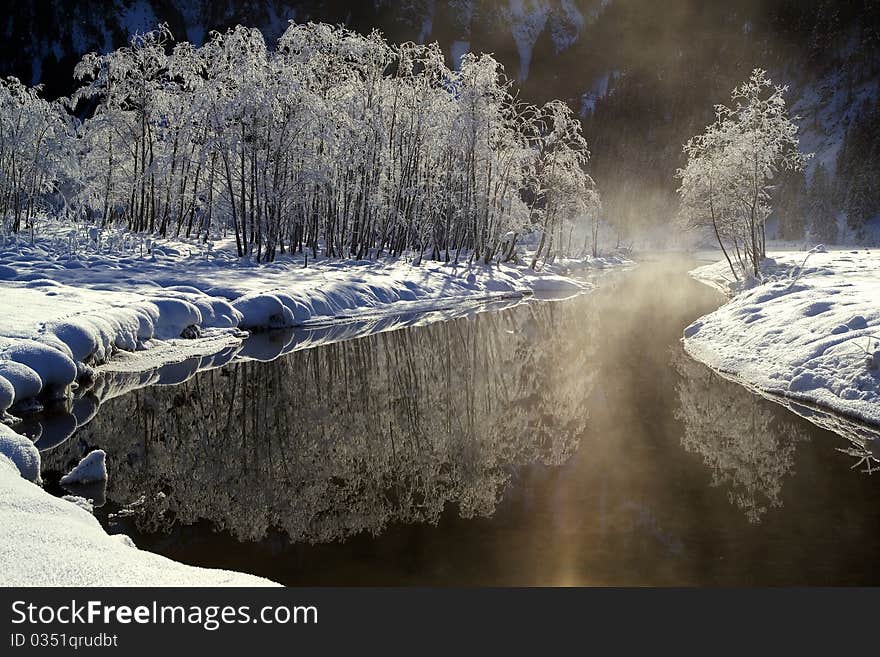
(58, 422)
(349, 438)
(864, 440)
(749, 448)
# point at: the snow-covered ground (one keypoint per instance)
(809, 331)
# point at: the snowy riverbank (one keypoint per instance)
(76, 304)
(810, 335)
(71, 300)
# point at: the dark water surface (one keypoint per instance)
(552, 443)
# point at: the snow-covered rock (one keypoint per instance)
(175, 316)
(21, 452)
(55, 369)
(91, 468)
(25, 382)
(79, 336)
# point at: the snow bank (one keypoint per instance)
(49, 541)
(91, 468)
(809, 334)
(63, 313)
(21, 452)
(7, 395)
(25, 382)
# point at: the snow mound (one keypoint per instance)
(81, 502)
(25, 382)
(55, 369)
(219, 313)
(7, 395)
(262, 311)
(91, 468)
(124, 539)
(809, 333)
(175, 316)
(21, 453)
(79, 335)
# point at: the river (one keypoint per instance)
(549, 443)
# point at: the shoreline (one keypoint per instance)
(66, 314)
(793, 337)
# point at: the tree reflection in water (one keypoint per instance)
(371, 441)
(326, 443)
(749, 448)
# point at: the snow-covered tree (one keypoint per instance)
(565, 196)
(332, 143)
(731, 168)
(36, 147)
(707, 198)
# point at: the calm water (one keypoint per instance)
(551, 443)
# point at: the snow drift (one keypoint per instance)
(809, 333)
